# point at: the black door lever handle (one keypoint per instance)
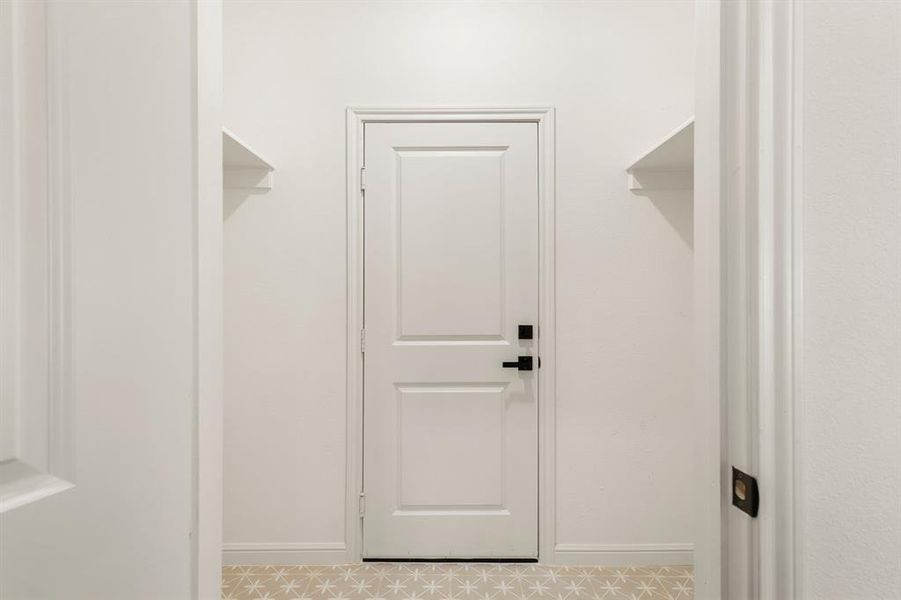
(524, 363)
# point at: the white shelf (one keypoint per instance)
(667, 166)
(242, 166)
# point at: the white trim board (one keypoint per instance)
(709, 345)
(544, 118)
(748, 267)
(617, 555)
(208, 368)
(777, 302)
(284, 553)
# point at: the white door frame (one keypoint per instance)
(748, 80)
(544, 118)
(707, 300)
(208, 339)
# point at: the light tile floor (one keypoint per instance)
(455, 581)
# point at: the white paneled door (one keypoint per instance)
(451, 273)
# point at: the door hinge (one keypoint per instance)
(362, 179)
(362, 340)
(362, 505)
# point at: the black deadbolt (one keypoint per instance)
(525, 332)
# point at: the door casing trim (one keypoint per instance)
(772, 43)
(543, 117)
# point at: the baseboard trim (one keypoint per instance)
(335, 553)
(620, 555)
(287, 553)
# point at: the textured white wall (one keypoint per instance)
(620, 75)
(123, 531)
(851, 413)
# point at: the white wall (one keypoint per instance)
(620, 75)
(850, 437)
(123, 531)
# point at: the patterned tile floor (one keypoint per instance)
(454, 581)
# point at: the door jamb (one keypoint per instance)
(544, 117)
(708, 289)
(207, 525)
(775, 361)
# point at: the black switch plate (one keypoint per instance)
(525, 332)
(745, 496)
